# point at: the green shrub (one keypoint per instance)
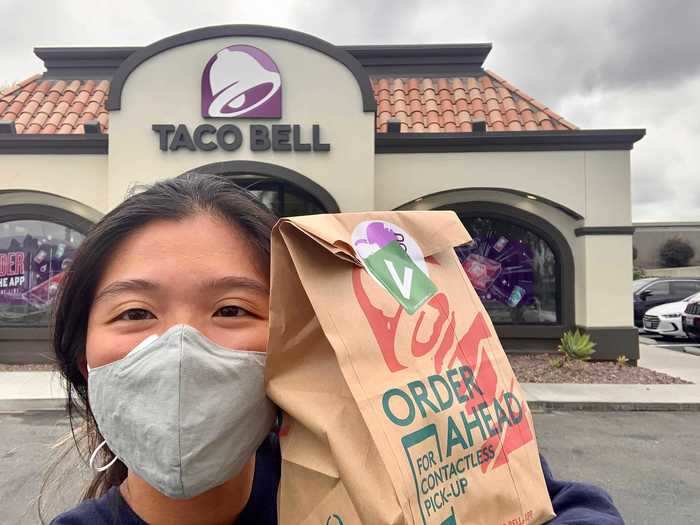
(576, 345)
(676, 252)
(557, 362)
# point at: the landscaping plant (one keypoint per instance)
(676, 252)
(576, 345)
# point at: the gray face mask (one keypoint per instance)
(182, 412)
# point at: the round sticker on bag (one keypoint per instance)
(395, 260)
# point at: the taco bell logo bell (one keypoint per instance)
(241, 81)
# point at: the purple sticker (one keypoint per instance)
(380, 234)
(241, 81)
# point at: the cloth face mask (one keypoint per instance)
(182, 412)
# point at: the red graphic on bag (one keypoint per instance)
(446, 353)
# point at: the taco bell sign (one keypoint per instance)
(241, 82)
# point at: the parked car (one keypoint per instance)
(665, 320)
(654, 291)
(691, 320)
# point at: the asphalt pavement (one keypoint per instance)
(678, 344)
(648, 461)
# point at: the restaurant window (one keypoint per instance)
(34, 255)
(513, 269)
(283, 198)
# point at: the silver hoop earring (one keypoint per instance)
(94, 455)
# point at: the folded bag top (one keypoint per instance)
(334, 231)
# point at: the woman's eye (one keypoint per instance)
(230, 311)
(136, 314)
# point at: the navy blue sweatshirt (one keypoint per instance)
(574, 503)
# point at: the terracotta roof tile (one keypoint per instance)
(73, 86)
(47, 107)
(446, 105)
(416, 105)
(14, 110)
(38, 96)
(59, 87)
(54, 106)
(62, 107)
(76, 107)
(452, 103)
(400, 107)
(43, 87)
(30, 107)
(37, 123)
(384, 105)
(55, 119)
(22, 121)
(83, 96)
(103, 86)
(103, 120)
(422, 104)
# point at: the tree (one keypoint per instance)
(676, 252)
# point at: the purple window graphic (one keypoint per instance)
(241, 81)
(500, 269)
(513, 270)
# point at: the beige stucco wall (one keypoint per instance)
(316, 90)
(604, 271)
(82, 178)
(594, 184)
(608, 197)
(557, 175)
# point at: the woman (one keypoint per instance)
(161, 329)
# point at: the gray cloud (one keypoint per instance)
(656, 43)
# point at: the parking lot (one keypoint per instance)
(646, 460)
(679, 344)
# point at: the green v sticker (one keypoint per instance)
(400, 276)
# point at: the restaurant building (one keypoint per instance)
(312, 127)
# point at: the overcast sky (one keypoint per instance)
(600, 64)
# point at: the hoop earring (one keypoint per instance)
(94, 455)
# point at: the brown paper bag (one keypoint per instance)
(400, 404)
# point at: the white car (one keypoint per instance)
(665, 319)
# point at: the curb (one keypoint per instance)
(611, 406)
(33, 405)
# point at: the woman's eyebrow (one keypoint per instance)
(129, 285)
(233, 281)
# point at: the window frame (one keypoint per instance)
(695, 284)
(565, 268)
(650, 286)
(556, 274)
(39, 335)
(255, 182)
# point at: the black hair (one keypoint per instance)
(172, 199)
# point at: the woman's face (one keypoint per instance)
(200, 271)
